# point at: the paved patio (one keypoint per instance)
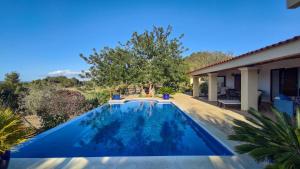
(216, 120)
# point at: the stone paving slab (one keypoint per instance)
(154, 162)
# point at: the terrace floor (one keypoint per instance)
(217, 121)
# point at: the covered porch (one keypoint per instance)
(265, 75)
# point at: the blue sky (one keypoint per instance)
(40, 38)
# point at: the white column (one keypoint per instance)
(249, 88)
(195, 86)
(212, 87)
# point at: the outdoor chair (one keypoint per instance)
(285, 104)
(234, 98)
(232, 94)
(222, 93)
(224, 103)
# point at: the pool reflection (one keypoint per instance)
(136, 128)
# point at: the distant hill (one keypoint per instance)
(201, 59)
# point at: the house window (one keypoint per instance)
(284, 81)
(222, 81)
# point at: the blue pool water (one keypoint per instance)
(135, 128)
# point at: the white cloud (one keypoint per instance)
(68, 73)
(64, 73)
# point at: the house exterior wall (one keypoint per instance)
(229, 81)
(195, 86)
(229, 77)
(199, 79)
(212, 87)
(264, 77)
(249, 88)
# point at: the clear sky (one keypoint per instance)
(40, 38)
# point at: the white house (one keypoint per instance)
(274, 69)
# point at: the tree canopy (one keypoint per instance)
(61, 81)
(12, 78)
(10, 90)
(150, 58)
(201, 59)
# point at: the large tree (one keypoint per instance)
(10, 91)
(150, 58)
(110, 67)
(159, 57)
(12, 78)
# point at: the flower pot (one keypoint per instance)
(116, 97)
(4, 159)
(166, 96)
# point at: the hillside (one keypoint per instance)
(201, 59)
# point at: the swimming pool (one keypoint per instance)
(134, 128)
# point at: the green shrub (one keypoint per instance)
(54, 106)
(52, 120)
(204, 88)
(10, 91)
(36, 99)
(98, 98)
(265, 139)
(166, 90)
(12, 130)
(122, 89)
(185, 87)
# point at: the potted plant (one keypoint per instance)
(4, 159)
(12, 132)
(203, 89)
(116, 96)
(166, 91)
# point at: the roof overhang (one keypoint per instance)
(285, 49)
(291, 4)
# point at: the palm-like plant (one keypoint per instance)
(12, 130)
(265, 139)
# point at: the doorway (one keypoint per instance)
(237, 82)
(284, 81)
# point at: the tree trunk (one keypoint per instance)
(110, 93)
(151, 90)
(143, 93)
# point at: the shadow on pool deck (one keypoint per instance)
(158, 162)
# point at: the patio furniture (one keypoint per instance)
(233, 94)
(222, 93)
(259, 95)
(284, 104)
(224, 103)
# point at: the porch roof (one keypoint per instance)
(291, 4)
(282, 50)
